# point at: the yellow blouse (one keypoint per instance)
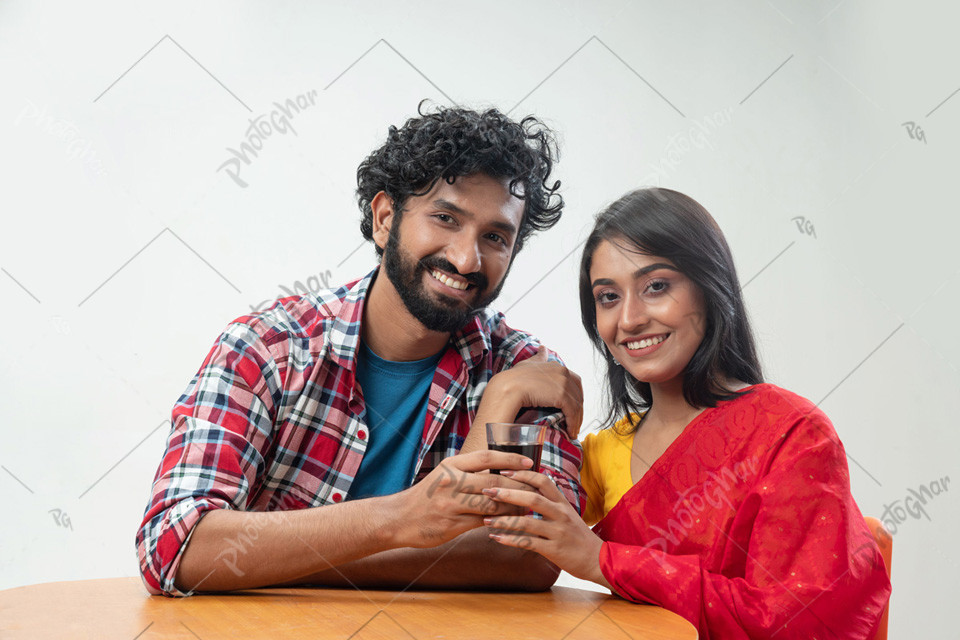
(605, 474)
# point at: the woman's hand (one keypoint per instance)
(561, 536)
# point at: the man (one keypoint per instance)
(338, 438)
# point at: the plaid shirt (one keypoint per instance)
(274, 419)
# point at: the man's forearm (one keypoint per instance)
(238, 550)
(470, 561)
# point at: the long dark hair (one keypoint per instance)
(671, 225)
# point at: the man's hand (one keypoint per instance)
(450, 499)
(538, 382)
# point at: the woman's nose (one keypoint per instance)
(633, 314)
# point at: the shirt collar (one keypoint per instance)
(470, 341)
(343, 336)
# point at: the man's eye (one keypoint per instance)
(443, 217)
(497, 238)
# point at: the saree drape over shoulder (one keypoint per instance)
(745, 526)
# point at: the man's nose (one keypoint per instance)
(464, 254)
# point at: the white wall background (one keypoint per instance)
(124, 251)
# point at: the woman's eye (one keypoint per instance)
(657, 286)
(606, 297)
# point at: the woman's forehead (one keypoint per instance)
(622, 256)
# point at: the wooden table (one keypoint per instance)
(121, 608)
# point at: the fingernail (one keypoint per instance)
(527, 462)
(506, 472)
(495, 537)
(488, 521)
(491, 492)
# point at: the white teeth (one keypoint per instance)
(648, 342)
(450, 282)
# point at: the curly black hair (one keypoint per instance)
(452, 142)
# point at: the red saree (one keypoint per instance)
(745, 526)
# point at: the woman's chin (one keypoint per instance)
(657, 379)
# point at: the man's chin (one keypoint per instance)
(459, 304)
(449, 316)
(444, 322)
(453, 304)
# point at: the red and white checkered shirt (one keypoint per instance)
(274, 419)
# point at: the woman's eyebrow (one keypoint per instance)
(653, 267)
(639, 273)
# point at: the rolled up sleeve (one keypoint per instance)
(222, 427)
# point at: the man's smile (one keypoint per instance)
(452, 281)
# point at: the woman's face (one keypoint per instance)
(650, 315)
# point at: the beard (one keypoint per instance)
(434, 311)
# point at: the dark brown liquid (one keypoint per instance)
(532, 451)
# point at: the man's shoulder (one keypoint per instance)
(510, 344)
(494, 326)
(302, 317)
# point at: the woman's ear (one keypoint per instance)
(382, 208)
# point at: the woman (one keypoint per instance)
(719, 497)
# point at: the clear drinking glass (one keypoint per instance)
(512, 437)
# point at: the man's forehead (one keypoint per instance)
(476, 194)
(471, 181)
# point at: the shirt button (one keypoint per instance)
(337, 497)
(362, 434)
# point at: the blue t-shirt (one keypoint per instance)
(396, 395)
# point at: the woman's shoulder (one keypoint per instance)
(774, 412)
(771, 398)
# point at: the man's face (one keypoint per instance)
(454, 250)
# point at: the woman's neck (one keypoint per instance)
(669, 410)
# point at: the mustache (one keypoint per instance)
(435, 262)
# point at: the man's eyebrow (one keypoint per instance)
(446, 205)
(639, 273)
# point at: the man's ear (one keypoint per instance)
(382, 207)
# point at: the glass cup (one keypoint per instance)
(512, 437)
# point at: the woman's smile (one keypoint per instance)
(643, 346)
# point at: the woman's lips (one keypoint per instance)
(645, 346)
